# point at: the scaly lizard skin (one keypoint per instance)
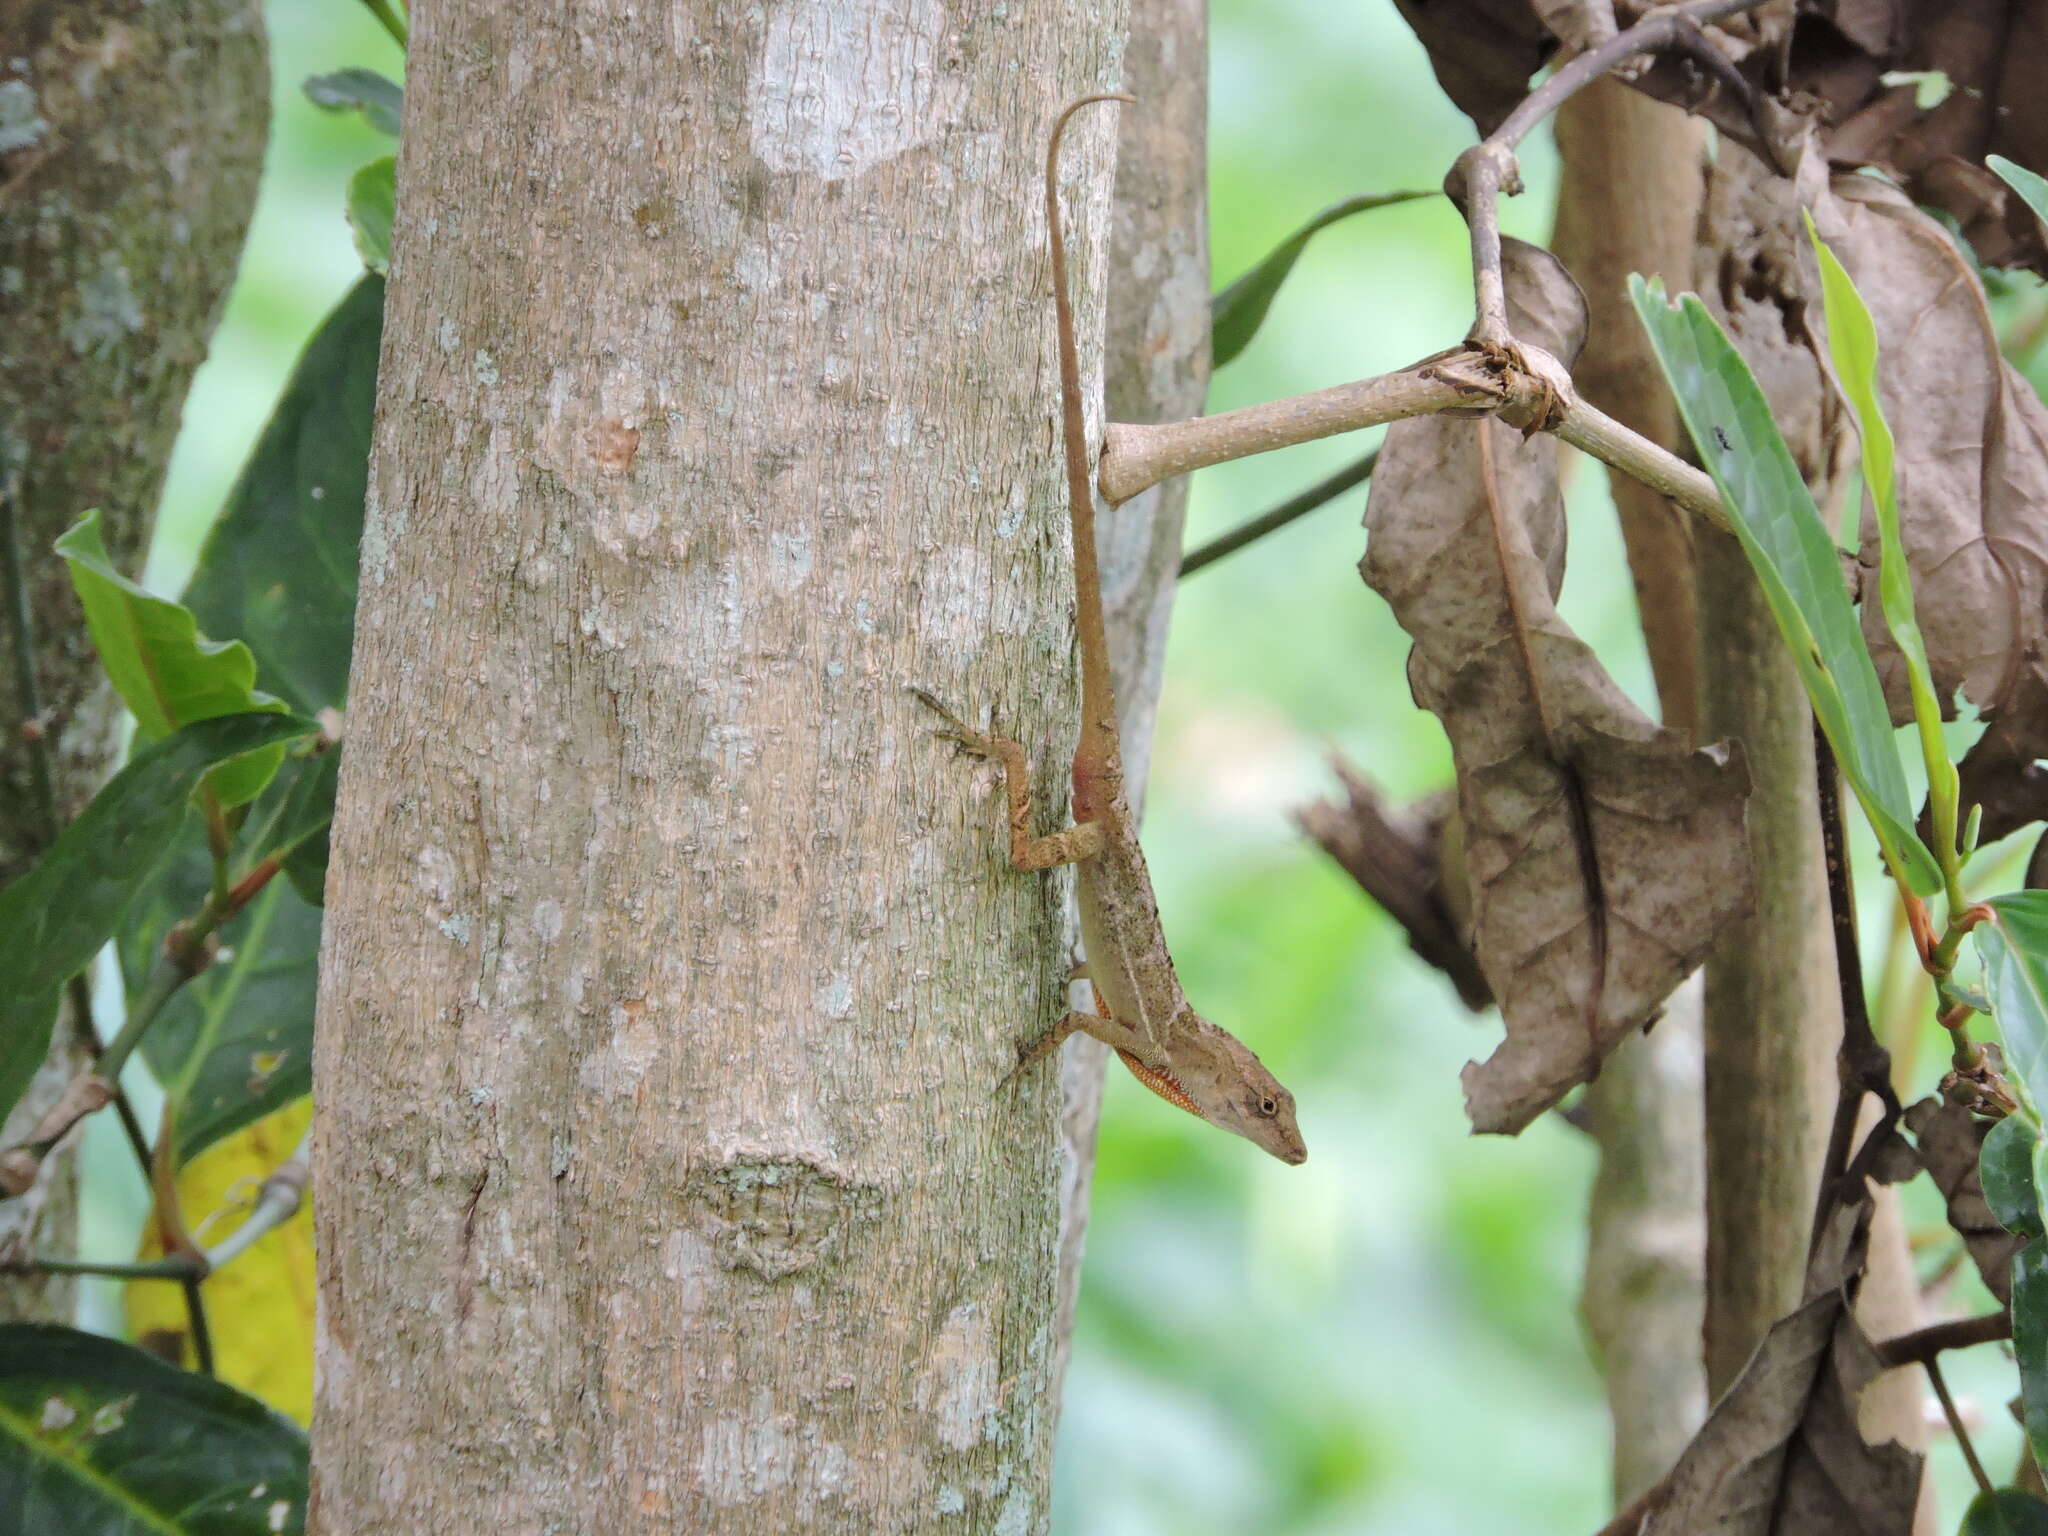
(1141, 1011)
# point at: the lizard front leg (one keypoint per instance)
(1069, 845)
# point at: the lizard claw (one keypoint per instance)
(955, 729)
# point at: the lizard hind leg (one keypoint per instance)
(1069, 845)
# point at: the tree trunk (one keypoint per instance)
(1627, 202)
(131, 137)
(1155, 368)
(671, 966)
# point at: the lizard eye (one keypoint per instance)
(1268, 1108)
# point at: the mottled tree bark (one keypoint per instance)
(671, 965)
(1773, 1008)
(131, 137)
(1628, 201)
(1155, 368)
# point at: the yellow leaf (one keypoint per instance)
(260, 1307)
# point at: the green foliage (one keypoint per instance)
(2030, 1340)
(279, 569)
(1795, 561)
(54, 919)
(2005, 1512)
(1236, 313)
(378, 98)
(98, 1436)
(2014, 946)
(2031, 188)
(372, 197)
(167, 673)
(1852, 342)
(2005, 1167)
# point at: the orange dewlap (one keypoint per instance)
(1160, 1083)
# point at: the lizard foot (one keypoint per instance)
(956, 730)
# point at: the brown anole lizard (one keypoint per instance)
(1141, 1011)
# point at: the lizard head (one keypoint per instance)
(1215, 1076)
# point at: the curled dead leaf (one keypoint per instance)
(1972, 470)
(1604, 854)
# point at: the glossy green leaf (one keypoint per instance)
(2005, 1512)
(167, 673)
(235, 1042)
(279, 569)
(2014, 945)
(2031, 188)
(372, 197)
(1236, 313)
(359, 90)
(1795, 560)
(54, 919)
(99, 1438)
(301, 836)
(1852, 343)
(2005, 1167)
(2030, 1340)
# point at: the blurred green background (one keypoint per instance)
(1385, 1339)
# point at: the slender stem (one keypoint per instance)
(202, 1330)
(1923, 1344)
(140, 1269)
(1955, 1424)
(277, 1203)
(1864, 1066)
(1324, 490)
(164, 979)
(1488, 168)
(1135, 458)
(388, 19)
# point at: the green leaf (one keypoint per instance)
(359, 90)
(372, 196)
(235, 1042)
(97, 1436)
(302, 831)
(1236, 313)
(54, 919)
(278, 569)
(167, 673)
(1852, 342)
(1794, 557)
(2005, 1167)
(2030, 1340)
(2005, 1512)
(2023, 181)
(2013, 942)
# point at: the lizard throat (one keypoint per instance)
(1162, 1083)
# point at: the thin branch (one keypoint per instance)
(388, 19)
(1863, 1065)
(201, 1329)
(276, 1203)
(1955, 1424)
(1136, 458)
(1324, 490)
(1923, 1344)
(1488, 169)
(113, 1269)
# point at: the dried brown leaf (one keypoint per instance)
(1483, 51)
(1951, 1139)
(1781, 1454)
(1397, 857)
(1972, 442)
(1603, 854)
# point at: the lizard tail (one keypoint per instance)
(1098, 700)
